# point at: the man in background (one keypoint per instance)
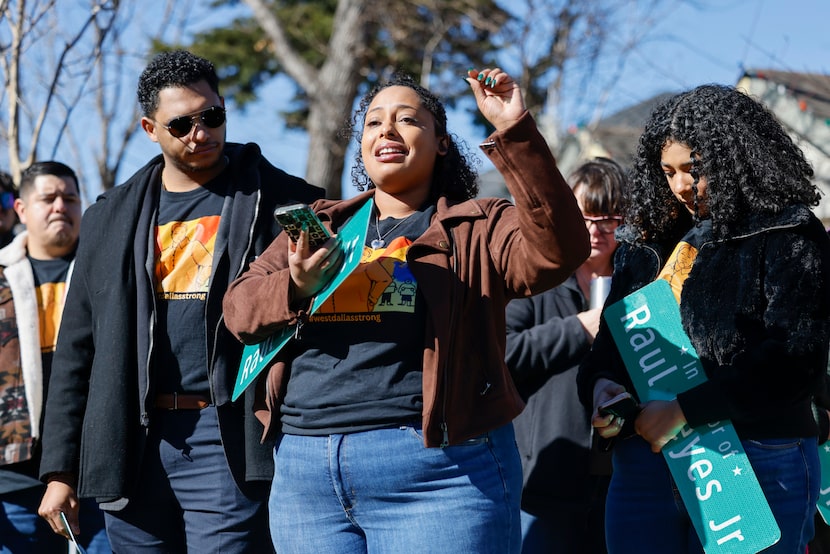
(34, 271)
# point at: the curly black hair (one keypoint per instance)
(177, 68)
(453, 176)
(749, 162)
(600, 185)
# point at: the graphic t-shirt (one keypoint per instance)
(50, 290)
(682, 258)
(362, 359)
(185, 238)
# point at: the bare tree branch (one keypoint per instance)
(59, 68)
(304, 74)
(111, 99)
(330, 89)
(16, 26)
(92, 63)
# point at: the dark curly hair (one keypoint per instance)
(600, 186)
(177, 68)
(750, 163)
(453, 175)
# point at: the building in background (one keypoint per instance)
(801, 101)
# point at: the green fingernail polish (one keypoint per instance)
(481, 76)
(486, 81)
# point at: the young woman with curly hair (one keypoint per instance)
(719, 206)
(395, 405)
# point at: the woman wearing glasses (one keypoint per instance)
(563, 502)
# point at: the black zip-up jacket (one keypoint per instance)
(101, 392)
(545, 344)
(756, 307)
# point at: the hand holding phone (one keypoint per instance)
(295, 218)
(622, 406)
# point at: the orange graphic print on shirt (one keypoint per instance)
(678, 267)
(381, 283)
(50, 297)
(184, 256)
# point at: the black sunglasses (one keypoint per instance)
(212, 118)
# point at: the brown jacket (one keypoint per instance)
(475, 256)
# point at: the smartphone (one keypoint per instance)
(72, 540)
(623, 406)
(293, 218)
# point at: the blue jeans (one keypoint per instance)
(22, 531)
(644, 512)
(383, 491)
(186, 499)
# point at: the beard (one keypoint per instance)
(203, 167)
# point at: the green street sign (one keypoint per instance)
(710, 468)
(256, 357)
(824, 491)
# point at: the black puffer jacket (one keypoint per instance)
(756, 307)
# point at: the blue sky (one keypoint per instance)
(711, 41)
(691, 43)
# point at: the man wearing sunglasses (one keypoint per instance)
(144, 372)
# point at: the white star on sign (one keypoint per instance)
(683, 350)
(736, 471)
